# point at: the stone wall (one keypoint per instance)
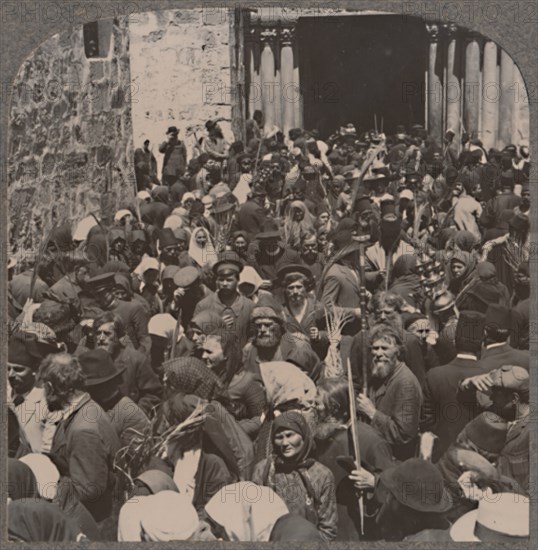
(70, 126)
(180, 70)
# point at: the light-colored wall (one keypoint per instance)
(180, 70)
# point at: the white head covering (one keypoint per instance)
(163, 517)
(163, 324)
(249, 276)
(202, 256)
(147, 262)
(248, 512)
(407, 194)
(285, 382)
(83, 228)
(121, 214)
(187, 196)
(173, 222)
(143, 195)
(45, 472)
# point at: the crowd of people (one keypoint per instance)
(281, 338)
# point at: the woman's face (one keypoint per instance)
(201, 238)
(240, 244)
(288, 443)
(457, 268)
(298, 215)
(324, 217)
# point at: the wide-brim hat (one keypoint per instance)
(167, 238)
(503, 517)
(105, 281)
(186, 276)
(293, 268)
(375, 179)
(98, 367)
(28, 350)
(269, 235)
(417, 484)
(172, 130)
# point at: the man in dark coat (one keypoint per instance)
(175, 157)
(145, 166)
(85, 443)
(234, 308)
(139, 381)
(442, 413)
(394, 396)
(273, 343)
(498, 351)
(251, 215)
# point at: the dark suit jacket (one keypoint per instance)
(83, 450)
(499, 356)
(398, 400)
(250, 218)
(442, 413)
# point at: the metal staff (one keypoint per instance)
(355, 434)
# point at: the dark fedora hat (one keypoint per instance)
(172, 130)
(417, 484)
(98, 367)
(228, 261)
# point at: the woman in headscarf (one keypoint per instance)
(461, 270)
(297, 223)
(239, 244)
(221, 353)
(483, 290)
(201, 248)
(305, 485)
(117, 241)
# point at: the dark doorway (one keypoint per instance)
(352, 68)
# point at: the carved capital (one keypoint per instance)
(287, 35)
(433, 31)
(268, 34)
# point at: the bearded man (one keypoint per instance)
(85, 442)
(273, 343)
(394, 396)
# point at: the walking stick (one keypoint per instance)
(364, 320)
(355, 435)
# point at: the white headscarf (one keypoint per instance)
(248, 512)
(202, 256)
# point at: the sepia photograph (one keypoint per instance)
(268, 273)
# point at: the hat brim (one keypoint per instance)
(268, 235)
(98, 381)
(463, 528)
(293, 268)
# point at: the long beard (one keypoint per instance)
(269, 341)
(382, 371)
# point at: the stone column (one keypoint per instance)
(473, 85)
(521, 114)
(289, 89)
(490, 96)
(269, 88)
(453, 91)
(254, 91)
(434, 95)
(506, 101)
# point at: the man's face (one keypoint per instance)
(82, 275)
(526, 198)
(310, 248)
(105, 298)
(296, 293)
(420, 329)
(384, 358)
(246, 166)
(227, 284)
(270, 247)
(171, 251)
(21, 378)
(267, 333)
(54, 402)
(212, 352)
(146, 146)
(105, 337)
(385, 313)
(118, 245)
(324, 217)
(171, 136)
(121, 294)
(457, 190)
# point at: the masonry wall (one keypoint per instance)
(70, 126)
(180, 70)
